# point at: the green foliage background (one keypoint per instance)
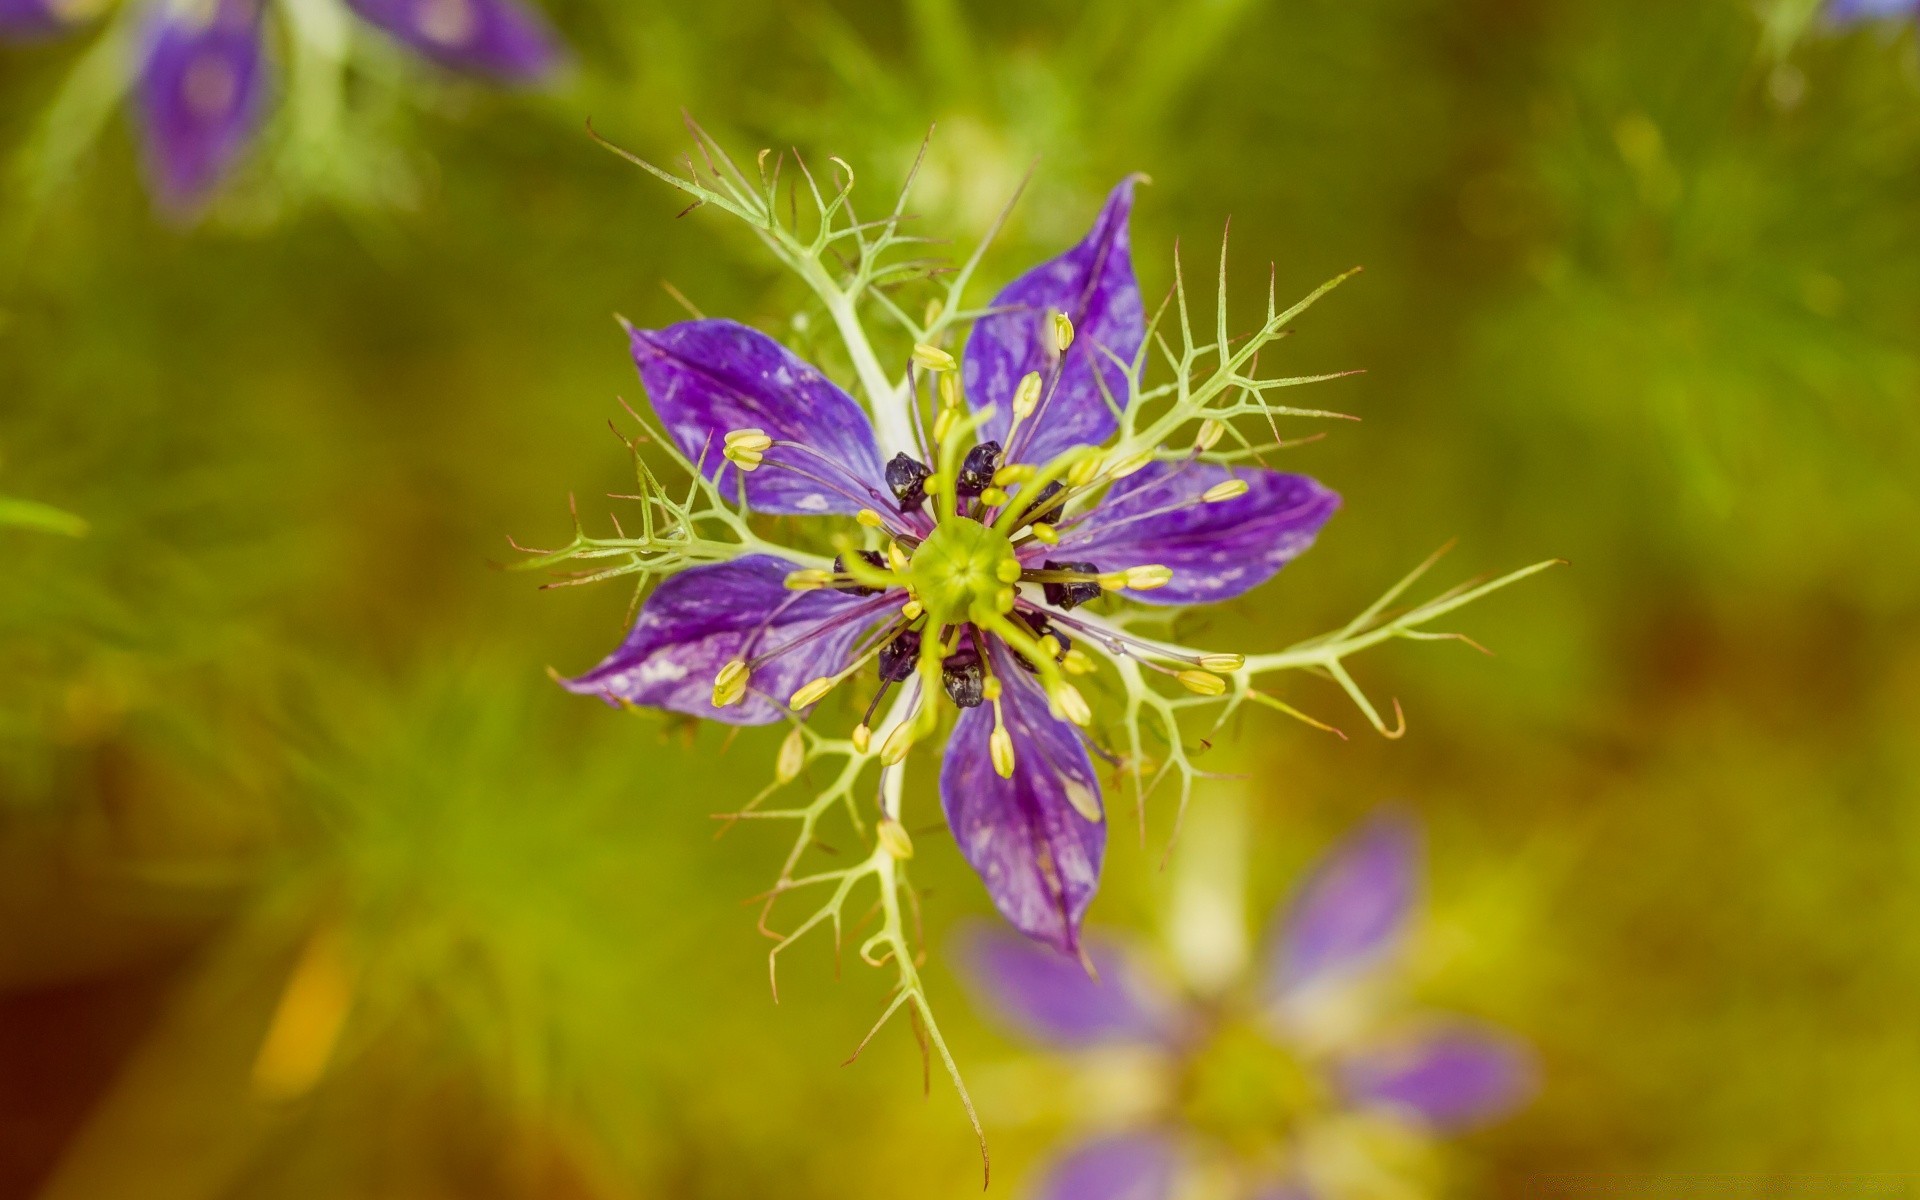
(1640, 291)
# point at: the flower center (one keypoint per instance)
(963, 565)
(1247, 1091)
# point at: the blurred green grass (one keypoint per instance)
(1622, 303)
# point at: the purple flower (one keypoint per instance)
(1280, 1080)
(200, 71)
(994, 530)
(1845, 12)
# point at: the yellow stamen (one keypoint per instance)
(949, 388)
(1076, 662)
(897, 558)
(1051, 645)
(1017, 473)
(1068, 704)
(862, 738)
(1062, 331)
(1084, 472)
(893, 835)
(1145, 579)
(1000, 747)
(1045, 533)
(1083, 799)
(1026, 397)
(993, 690)
(1227, 489)
(811, 693)
(1211, 431)
(809, 579)
(1202, 683)
(1223, 662)
(994, 497)
(1128, 466)
(942, 425)
(895, 748)
(730, 684)
(793, 756)
(933, 358)
(1008, 571)
(869, 518)
(912, 609)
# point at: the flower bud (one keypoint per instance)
(793, 756)
(893, 836)
(1226, 489)
(933, 358)
(1203, 683)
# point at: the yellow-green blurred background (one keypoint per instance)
(1642, 290)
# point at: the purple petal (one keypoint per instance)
(32, 19)
(1845, 11)
(1093, 284)
(487, 37)
(1051, 998)
(1137, 1166)
(1453, 1079)
(1039, 858)
(697, 621)
(708, 378)
(1351, 910)
(200, 96)
(1217, 551)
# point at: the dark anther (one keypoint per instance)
(966, 682)
(1042, 628)
(1071, 595)
(896, 657)
(907, 476)
(872, 558)
(1042, 509)
(976, 470)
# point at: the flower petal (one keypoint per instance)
(697, 621)
(1052, 999)
(1351, 910)
(1093, 284)
(200, 93)
(1450, 1079)
(1217, 551)
(708, 378)
(487, 37)
(1039, 857)
(1134, 1166)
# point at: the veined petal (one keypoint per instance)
(708, 378)
(31, 19)
(1039, 857)
(1217, 551)
(1132, 1166)
(200, 94)
(1449, 1079)
(696, 622)
(1094, 285)
(1051, 999)
(501, 38)
(1351, 910)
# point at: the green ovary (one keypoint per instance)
(963, 565)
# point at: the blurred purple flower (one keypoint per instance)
(1432, 1076)
(732, 643)
(200, 68)
(1846, 12)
